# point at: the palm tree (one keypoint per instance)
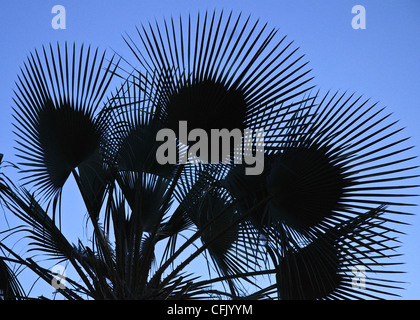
(333, 163)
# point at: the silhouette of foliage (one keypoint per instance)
(331, 196)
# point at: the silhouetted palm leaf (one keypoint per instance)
(131, 134)
(57, 98)
(219, 65)
(10, 288)
(322, 268)
(343, 160)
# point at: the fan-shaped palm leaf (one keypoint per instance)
(322, 268)
(215, 66)
(130, 142)
(56, 100)
(338, 163)
(343, 160)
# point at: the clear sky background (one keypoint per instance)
(381, 62)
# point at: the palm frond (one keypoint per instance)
(220, 65)
(56, 100)
(10, 287)
(322, 269)
(345, 159)
(130, 143)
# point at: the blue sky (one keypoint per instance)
(380, 62)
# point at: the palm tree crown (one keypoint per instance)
(328, 199)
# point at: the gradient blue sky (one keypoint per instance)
(381, 62)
